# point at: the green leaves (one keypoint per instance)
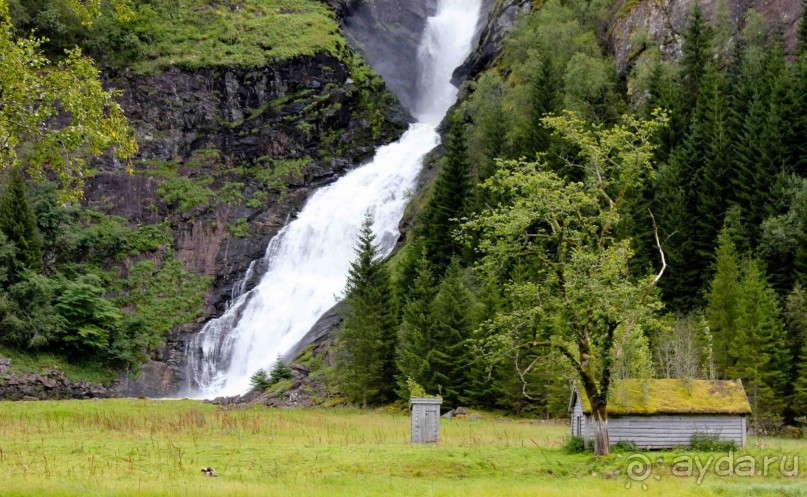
(579, 296)
(34, 93)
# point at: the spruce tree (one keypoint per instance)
(723, 304)
(416, 333)
(697, 54)
(453, 321)
(280, 371)
(449, 202)
(18, 223)
(365, 368)
(767, 144)
(699, 177)
(795, 317)
(760, 352)
(545, 98)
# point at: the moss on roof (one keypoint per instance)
(649, 397)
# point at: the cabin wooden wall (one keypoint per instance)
(669, 431)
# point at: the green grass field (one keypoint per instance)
(153, 448)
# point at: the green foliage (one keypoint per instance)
(111, 292)
(275, 174)
(449, 357)
(260, 380)
(574, 445)
(624, 446)
(449, 202)
(240, 229)
(184, 194)
(578, 269)
(280, 371)
(711, 442)
(761, 357)
(415, 390)
(18, 224)
(155, 34)
(723, 303)
(795, 314)
(415, 336)
(696, 54)
(87, 314)
(29, 133)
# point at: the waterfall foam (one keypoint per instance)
(309, 259)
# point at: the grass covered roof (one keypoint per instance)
(649, 397)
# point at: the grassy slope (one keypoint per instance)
(150, 448)
(248, 33)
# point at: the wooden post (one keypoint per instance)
(425, 419)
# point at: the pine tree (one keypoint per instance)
(699, 178)
(416, 337)
(280, 371)
(697, 54)
(766, 143)
(365, 368)
(545, 97)
(760, 352)
(723, 304)
(453, 321)
(18, 223)
(664, 93)
(449, 202)
(795, 314)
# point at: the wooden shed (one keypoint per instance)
(664, 414)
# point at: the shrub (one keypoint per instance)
(574, 445)
(625, 446)
(711, 442)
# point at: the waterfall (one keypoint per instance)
(309, 259)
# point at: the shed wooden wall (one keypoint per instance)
(669, 431)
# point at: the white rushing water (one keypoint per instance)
(308, 261)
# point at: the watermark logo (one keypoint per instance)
(641, 469)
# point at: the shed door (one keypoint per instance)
(579, 432)
(430, 428)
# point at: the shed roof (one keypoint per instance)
(649, 397)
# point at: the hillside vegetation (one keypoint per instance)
(152, 35)
(592, 225)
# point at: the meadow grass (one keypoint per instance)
(154, 448)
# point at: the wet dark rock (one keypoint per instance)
(305, 108)
(388, 35)
(306, 389)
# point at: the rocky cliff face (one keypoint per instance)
(664, 22)
(502, 16)
(257, 141)
(388, 33)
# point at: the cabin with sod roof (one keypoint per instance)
(664, 414)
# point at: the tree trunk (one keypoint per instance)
(602, 444)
